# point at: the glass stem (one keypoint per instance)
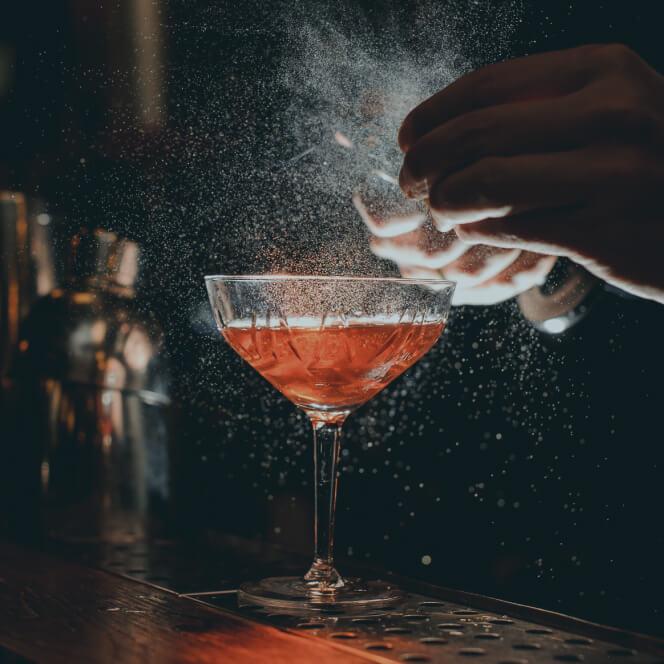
(322, 577)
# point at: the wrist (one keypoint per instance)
(563, 300)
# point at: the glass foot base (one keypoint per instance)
(292, 593)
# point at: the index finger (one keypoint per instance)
(388, 224)
(545, 75)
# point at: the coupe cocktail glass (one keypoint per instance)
(329, 344)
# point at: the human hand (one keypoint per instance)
(484, 275)
(559, 153)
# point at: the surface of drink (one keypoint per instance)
(330, 368)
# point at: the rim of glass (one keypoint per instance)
(313, 277)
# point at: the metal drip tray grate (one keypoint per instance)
(425, 630)
(431, 624)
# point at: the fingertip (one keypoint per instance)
(453, 193)
(410, 187)
(375, 242)
(403, 184)
(437, 198)
(465, 234)
(440, 221)
(406, 135)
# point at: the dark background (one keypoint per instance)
(514, 464)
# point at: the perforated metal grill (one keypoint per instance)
(426, 630)
(430, 625)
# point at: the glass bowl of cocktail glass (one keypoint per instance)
(329, 344)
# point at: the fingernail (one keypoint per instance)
(462, 234)
(418, 191)
(404, 137)
(441, 222)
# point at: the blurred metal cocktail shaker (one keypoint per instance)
(28, 268)
(94, 387)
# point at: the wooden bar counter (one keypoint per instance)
(100, 603)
